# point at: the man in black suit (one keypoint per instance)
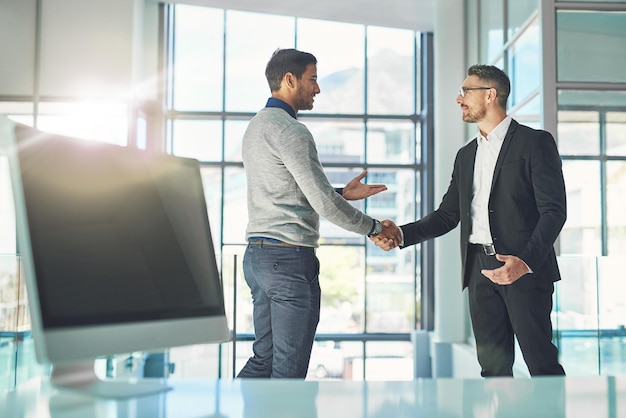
(508, 193)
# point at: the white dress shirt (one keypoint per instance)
(485, 163)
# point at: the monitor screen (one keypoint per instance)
(116, 247)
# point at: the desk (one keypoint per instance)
(549, 397)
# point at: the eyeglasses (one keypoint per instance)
(463, 90)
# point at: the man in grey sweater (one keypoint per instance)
(287, 193)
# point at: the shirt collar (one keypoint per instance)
(274, 102)
(498, 133)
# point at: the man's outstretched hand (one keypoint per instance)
(356, 190)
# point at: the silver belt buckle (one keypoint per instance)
(489, 249)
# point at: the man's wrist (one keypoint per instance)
(377, 228)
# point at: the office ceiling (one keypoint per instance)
(407, 14)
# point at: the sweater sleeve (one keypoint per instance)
(299, 154)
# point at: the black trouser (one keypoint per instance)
(501, 312)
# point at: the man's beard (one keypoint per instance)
(303, 101)
(476, 116)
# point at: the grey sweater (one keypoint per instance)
(287, 188)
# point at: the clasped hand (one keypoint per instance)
(390, 237)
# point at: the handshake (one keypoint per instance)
(390, 237)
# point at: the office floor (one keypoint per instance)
(550, 397)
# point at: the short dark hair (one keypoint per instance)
(494, 76)
(285, 61)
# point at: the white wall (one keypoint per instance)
(406, 14)
(86, 49)
(17, 47)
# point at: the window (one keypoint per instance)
(595, 54)
(367, 117)
(591, 102)
(591, 135)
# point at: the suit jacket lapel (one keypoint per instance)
(467, 177)
(505, 146)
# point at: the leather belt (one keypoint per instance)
(488, 249)
(274, 243)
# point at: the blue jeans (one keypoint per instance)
(284, 282)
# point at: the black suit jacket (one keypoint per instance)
(527, 206)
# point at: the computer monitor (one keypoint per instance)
(117, 254)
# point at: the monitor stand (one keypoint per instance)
(81, 377)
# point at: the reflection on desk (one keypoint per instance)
(550, 397)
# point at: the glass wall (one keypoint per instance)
(17, 356)
(591, 132)
(595, 54)
(590, 315)
(590, 98)
(585, 87)
(510, 38)
(367, 117)
(491, 30)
